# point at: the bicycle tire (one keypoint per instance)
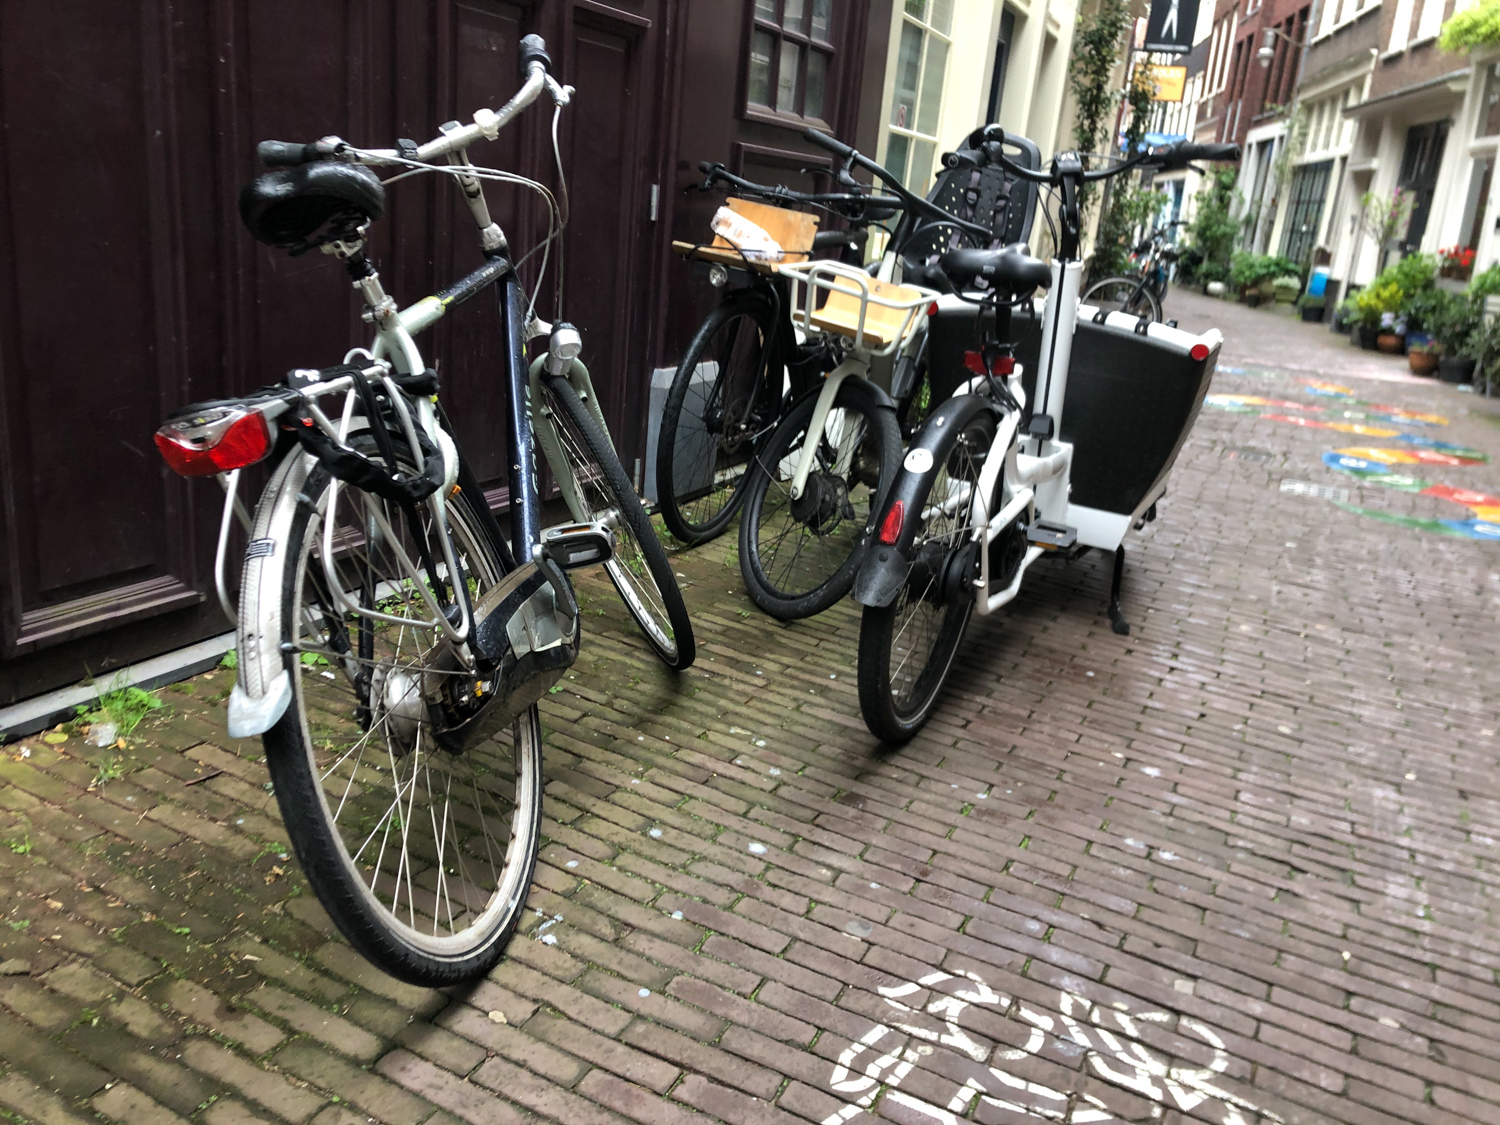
(694, 420)
(842, 526)
(1123, 294)
(640, 570)
(924, 621)
(371, 914)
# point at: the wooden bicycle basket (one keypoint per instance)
(792, 230)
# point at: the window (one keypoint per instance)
(791, 57)
(921, 63)
(1002, 57)
(1489, 108)
(1431, 21)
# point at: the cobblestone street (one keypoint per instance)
(1235, 867)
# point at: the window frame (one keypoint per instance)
(909, 132)
(829, 48)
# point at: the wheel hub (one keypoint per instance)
(824, 503)
(397, 707)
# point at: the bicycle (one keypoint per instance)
(393, 641)
(813, 482)
(1141, 293)
(988, 487)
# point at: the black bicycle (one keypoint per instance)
(393, 640)
(1140, 293)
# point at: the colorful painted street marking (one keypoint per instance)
(1484, 524)
(1418, 456)
(1230, 402)
(1376, 411)
(1341, 427)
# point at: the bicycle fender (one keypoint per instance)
(925, 457)
(880, 577)
(263, 682)
(882, 400)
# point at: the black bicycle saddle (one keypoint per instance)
(1009, 270)
(302, 207)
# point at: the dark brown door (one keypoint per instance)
(128, 286)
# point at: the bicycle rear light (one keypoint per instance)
(999, 365)
(216, 440)
(1198, 352)
(890, 527)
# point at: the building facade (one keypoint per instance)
(954, 65)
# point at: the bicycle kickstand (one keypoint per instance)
(1117, 620)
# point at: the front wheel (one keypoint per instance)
(1130, 295)
(721, 400)
(601, 491)
(907, 647)
(798, 557)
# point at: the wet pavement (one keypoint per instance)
(1234, 867)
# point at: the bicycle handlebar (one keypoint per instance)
(487, 123)
(912, 201)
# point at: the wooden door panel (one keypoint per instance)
(605, 59)
(482, 44)
(90, 302)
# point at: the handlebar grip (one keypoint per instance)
(823, 140)
(534, 49)
(284, 154)
(1184, 151)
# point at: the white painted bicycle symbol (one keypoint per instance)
(873, 1068)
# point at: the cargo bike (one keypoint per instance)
(1059, 433)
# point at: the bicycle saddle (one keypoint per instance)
(302, 207)
(1009, 270)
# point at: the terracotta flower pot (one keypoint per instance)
(1422, 363)
(1390, 343)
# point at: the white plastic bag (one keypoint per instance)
(751, 239)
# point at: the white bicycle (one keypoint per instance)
(988, 487)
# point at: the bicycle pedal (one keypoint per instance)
(574, 545)
(1051, 536)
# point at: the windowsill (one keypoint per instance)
(1394, 52)
(1338, 27)
(1423, 41)
(785, 120)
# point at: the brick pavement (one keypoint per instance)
(1233, 868)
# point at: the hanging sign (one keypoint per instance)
(1167, 82)
(1170, 26)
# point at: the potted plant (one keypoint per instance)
(1247, 272)
(1423, 356)
(1456, 262)
(1286, 289)
(1457, 329)
(1312, 308)
(1368, 309)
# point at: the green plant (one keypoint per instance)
(1458, 324)
(123, 706)
(1422, 309)
(1473, 28)
(1486, 283)
(1384, 217)
(230, 660)
(1213, 229)
(1096, 49)
(20, 847)
(1412, 273)
(1367, 307)
(110, 769)
(1250, 270)
(1287, 287)
(1308, 301)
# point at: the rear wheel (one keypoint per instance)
(720, 403)
(422, 854)
(640, 569)
(906, 648)
(798, 557)
(1124, 294)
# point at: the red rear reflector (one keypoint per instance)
(1199, 352)
(217, 441)
(1000, 365)
(890, 527)
(932, 309)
